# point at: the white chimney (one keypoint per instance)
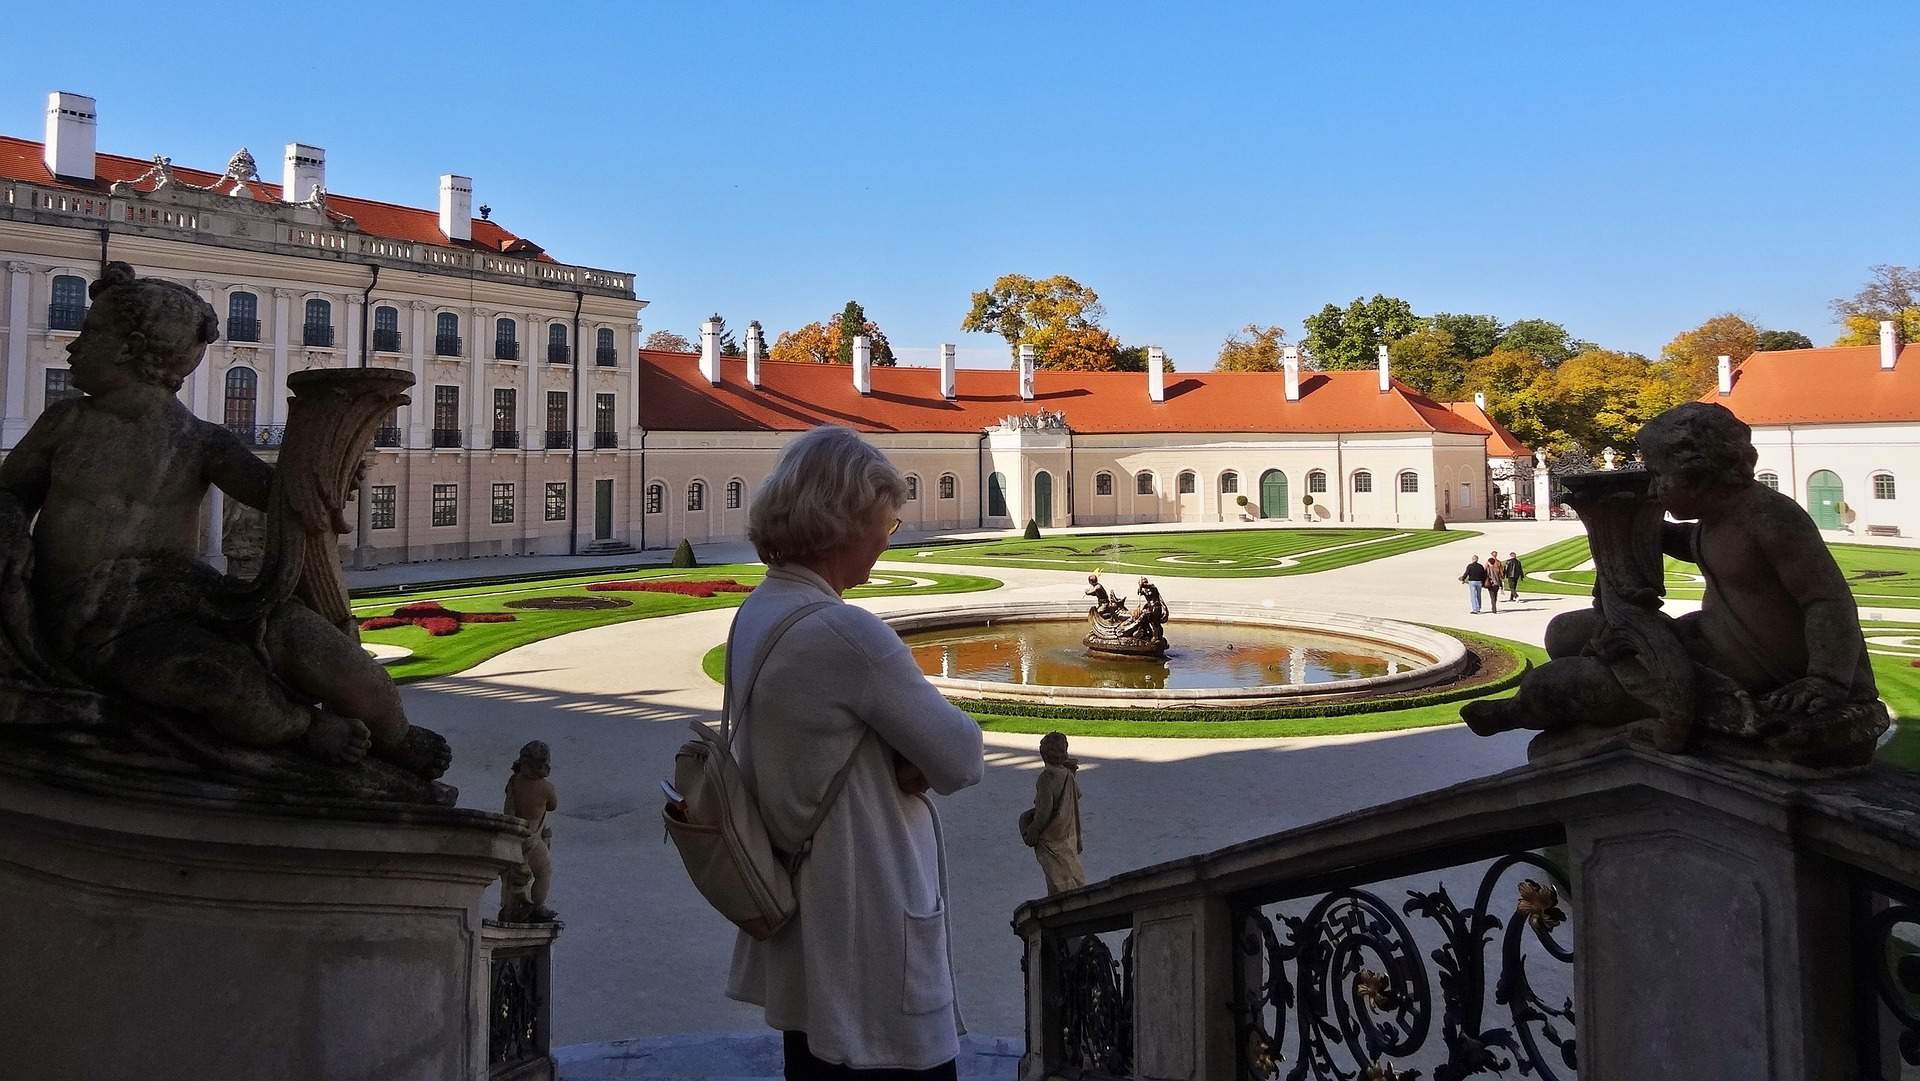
(1026, 373)
(456, 206)
(1156, 374)
(1889, 345)
(1726, 375)
(863, 364)
(947, 389)
(1290, 368)
(753, 355)
(1386, 376)
(710, 352)
(72, 121)
(1480, 400)
(303, 169)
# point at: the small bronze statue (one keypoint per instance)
(119, 647)
(530, 797)
(1140, 633)
(1773, 669)
(1051, 827)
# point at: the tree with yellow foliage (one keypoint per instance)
(1080, 349)
(1695, 354)
(1031, 311)
(819, 343)
(1253, 348)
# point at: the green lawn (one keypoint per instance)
(1232, 553)
(1899, 682)
(1881, 577)
(478, 641)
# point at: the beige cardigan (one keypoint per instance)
(865, 968)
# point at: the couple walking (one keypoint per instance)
(1488, 577)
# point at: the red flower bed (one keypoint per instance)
(432, 617)
(684, 589)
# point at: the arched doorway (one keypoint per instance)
(1043, 498)
(996, 496)
(1825, 494)
(1273, 494)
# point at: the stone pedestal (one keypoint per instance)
(1542, 494)
(159, 935)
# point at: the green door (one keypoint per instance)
(1043, 498)
(1824, 496)
(1273, 494)
(602, 509)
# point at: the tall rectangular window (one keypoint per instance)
(603, 431)
(506, 410)
(380, 503)
(502, 504)
(446, 504)
(60, 386)
(446, 416)
(556, 501)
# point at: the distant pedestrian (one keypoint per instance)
(1515, 572)
(1493, 578)
(1475, 576)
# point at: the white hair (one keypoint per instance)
(826, 483)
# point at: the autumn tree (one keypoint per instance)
(1081, 349)
(1770, 340)
(1428, 361)
(1474, 336)
(1030, 311)
(1547, 340)
(1695, 354)
(1520, 394)
(1598, 400)
(668, 341)
(825, 342)
(1890, 291)
(1347, 338)
(1253, 348)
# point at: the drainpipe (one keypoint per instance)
(980, 478)
(573, 476)
(104, 231)
(1339, 481)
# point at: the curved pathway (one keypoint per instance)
(642, 955)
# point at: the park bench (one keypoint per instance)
(1883, 531)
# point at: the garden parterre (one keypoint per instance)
(1230, 553)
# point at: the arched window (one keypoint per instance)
(996, 495)
(1363, 481)
(603, 352)
(1409, 481)
(386, 329)
(317, 329)
(1187, 483)
(1883, 486)
(506, 339)
(1229, 482)
(1103, 483)
(697, 495)
(69, 307)
(243, 318)
(446, 335)
(557, 343)
(243, 391)
(1317, 482)
(656, 497)
(1143, 483)
(913, 487)
(946, 486)
(1771, 480)
(735, 490)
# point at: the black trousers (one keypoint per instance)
(802, 1066)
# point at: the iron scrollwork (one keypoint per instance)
(514, 1031)
(1094, 1007)
(1890, 967)
(1352, 976)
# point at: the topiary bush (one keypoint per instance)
(1033, 530)
(1440, 521)
(683, 556)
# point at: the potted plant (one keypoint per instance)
(1306, 507)
(1241, 501)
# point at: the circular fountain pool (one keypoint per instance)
(1222, 655)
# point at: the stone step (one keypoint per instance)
(751, 1056)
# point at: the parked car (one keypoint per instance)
(1522, 510)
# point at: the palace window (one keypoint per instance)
(556, 501)
(243, 391)
(1229, 483)
(243, 318)
(656, 498)
(1409, 482)
(386, 329)
(506, 417)
(1143, 484)
(506, 339)
(737, 490)
(446, 335)
(946, 486)
(1883, 486)
(446, 416)
(559, 431)
(913, 487)
(1317, 482)
(1771, 480)
(1363, 482)
(1188, 485)
(446, 504)
(604, 436)
(1103, 483)
(380, 505)
(557, 343)
(59, 386)
(69, 308)
(502, 504)
(697, 495)
(318, 327)
(604, 353)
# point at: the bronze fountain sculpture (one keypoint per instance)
(1118, 632)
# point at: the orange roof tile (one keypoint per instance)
(23, 159)
(674, 396)
(1501, 443)
(1833, 385)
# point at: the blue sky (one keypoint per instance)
(1627, 170)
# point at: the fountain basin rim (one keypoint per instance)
(1448, 657)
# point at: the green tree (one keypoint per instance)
(1474, 336)
(1520, 393)
(1599, 399)
(668, 341)
(1771, 340)
(851, 323)
(1547, 340)
(1344, 339)
(1133, 358)
(1253, 348)
(1029, 311)
(1695, 354)
(1428, 361)
(728, 347)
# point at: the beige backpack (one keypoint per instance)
(713, 817)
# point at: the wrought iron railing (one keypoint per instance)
(259, 435)
(605, 440)
(387, 437)
(446, 345)
(506, 349)
(66, 316)
(446, 437)
(557, 353)
(606, 358)
(243, 330)
(519, 1000)
(506, 439)
(559, 440)
(386, 341)
(316, 335)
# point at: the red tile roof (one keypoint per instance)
(1501, 443)
(23, 159)
(1835, 385)
(792, 397)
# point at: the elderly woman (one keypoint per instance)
(862, 978)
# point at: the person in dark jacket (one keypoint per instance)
(1515, 572)
(1476, 578)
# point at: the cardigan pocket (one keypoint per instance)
(926, 984)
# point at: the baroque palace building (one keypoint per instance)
(518, 435)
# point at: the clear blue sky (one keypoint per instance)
(1627, 170)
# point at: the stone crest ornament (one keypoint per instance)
(124, 656)
(1115, 630)
(1044, 420)
(1772, 670)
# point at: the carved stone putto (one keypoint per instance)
(1042, 420)
(1140, 633)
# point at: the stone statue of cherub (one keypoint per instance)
(530, 798)
(1051, 827)
(1774, 666)
(99, 539)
